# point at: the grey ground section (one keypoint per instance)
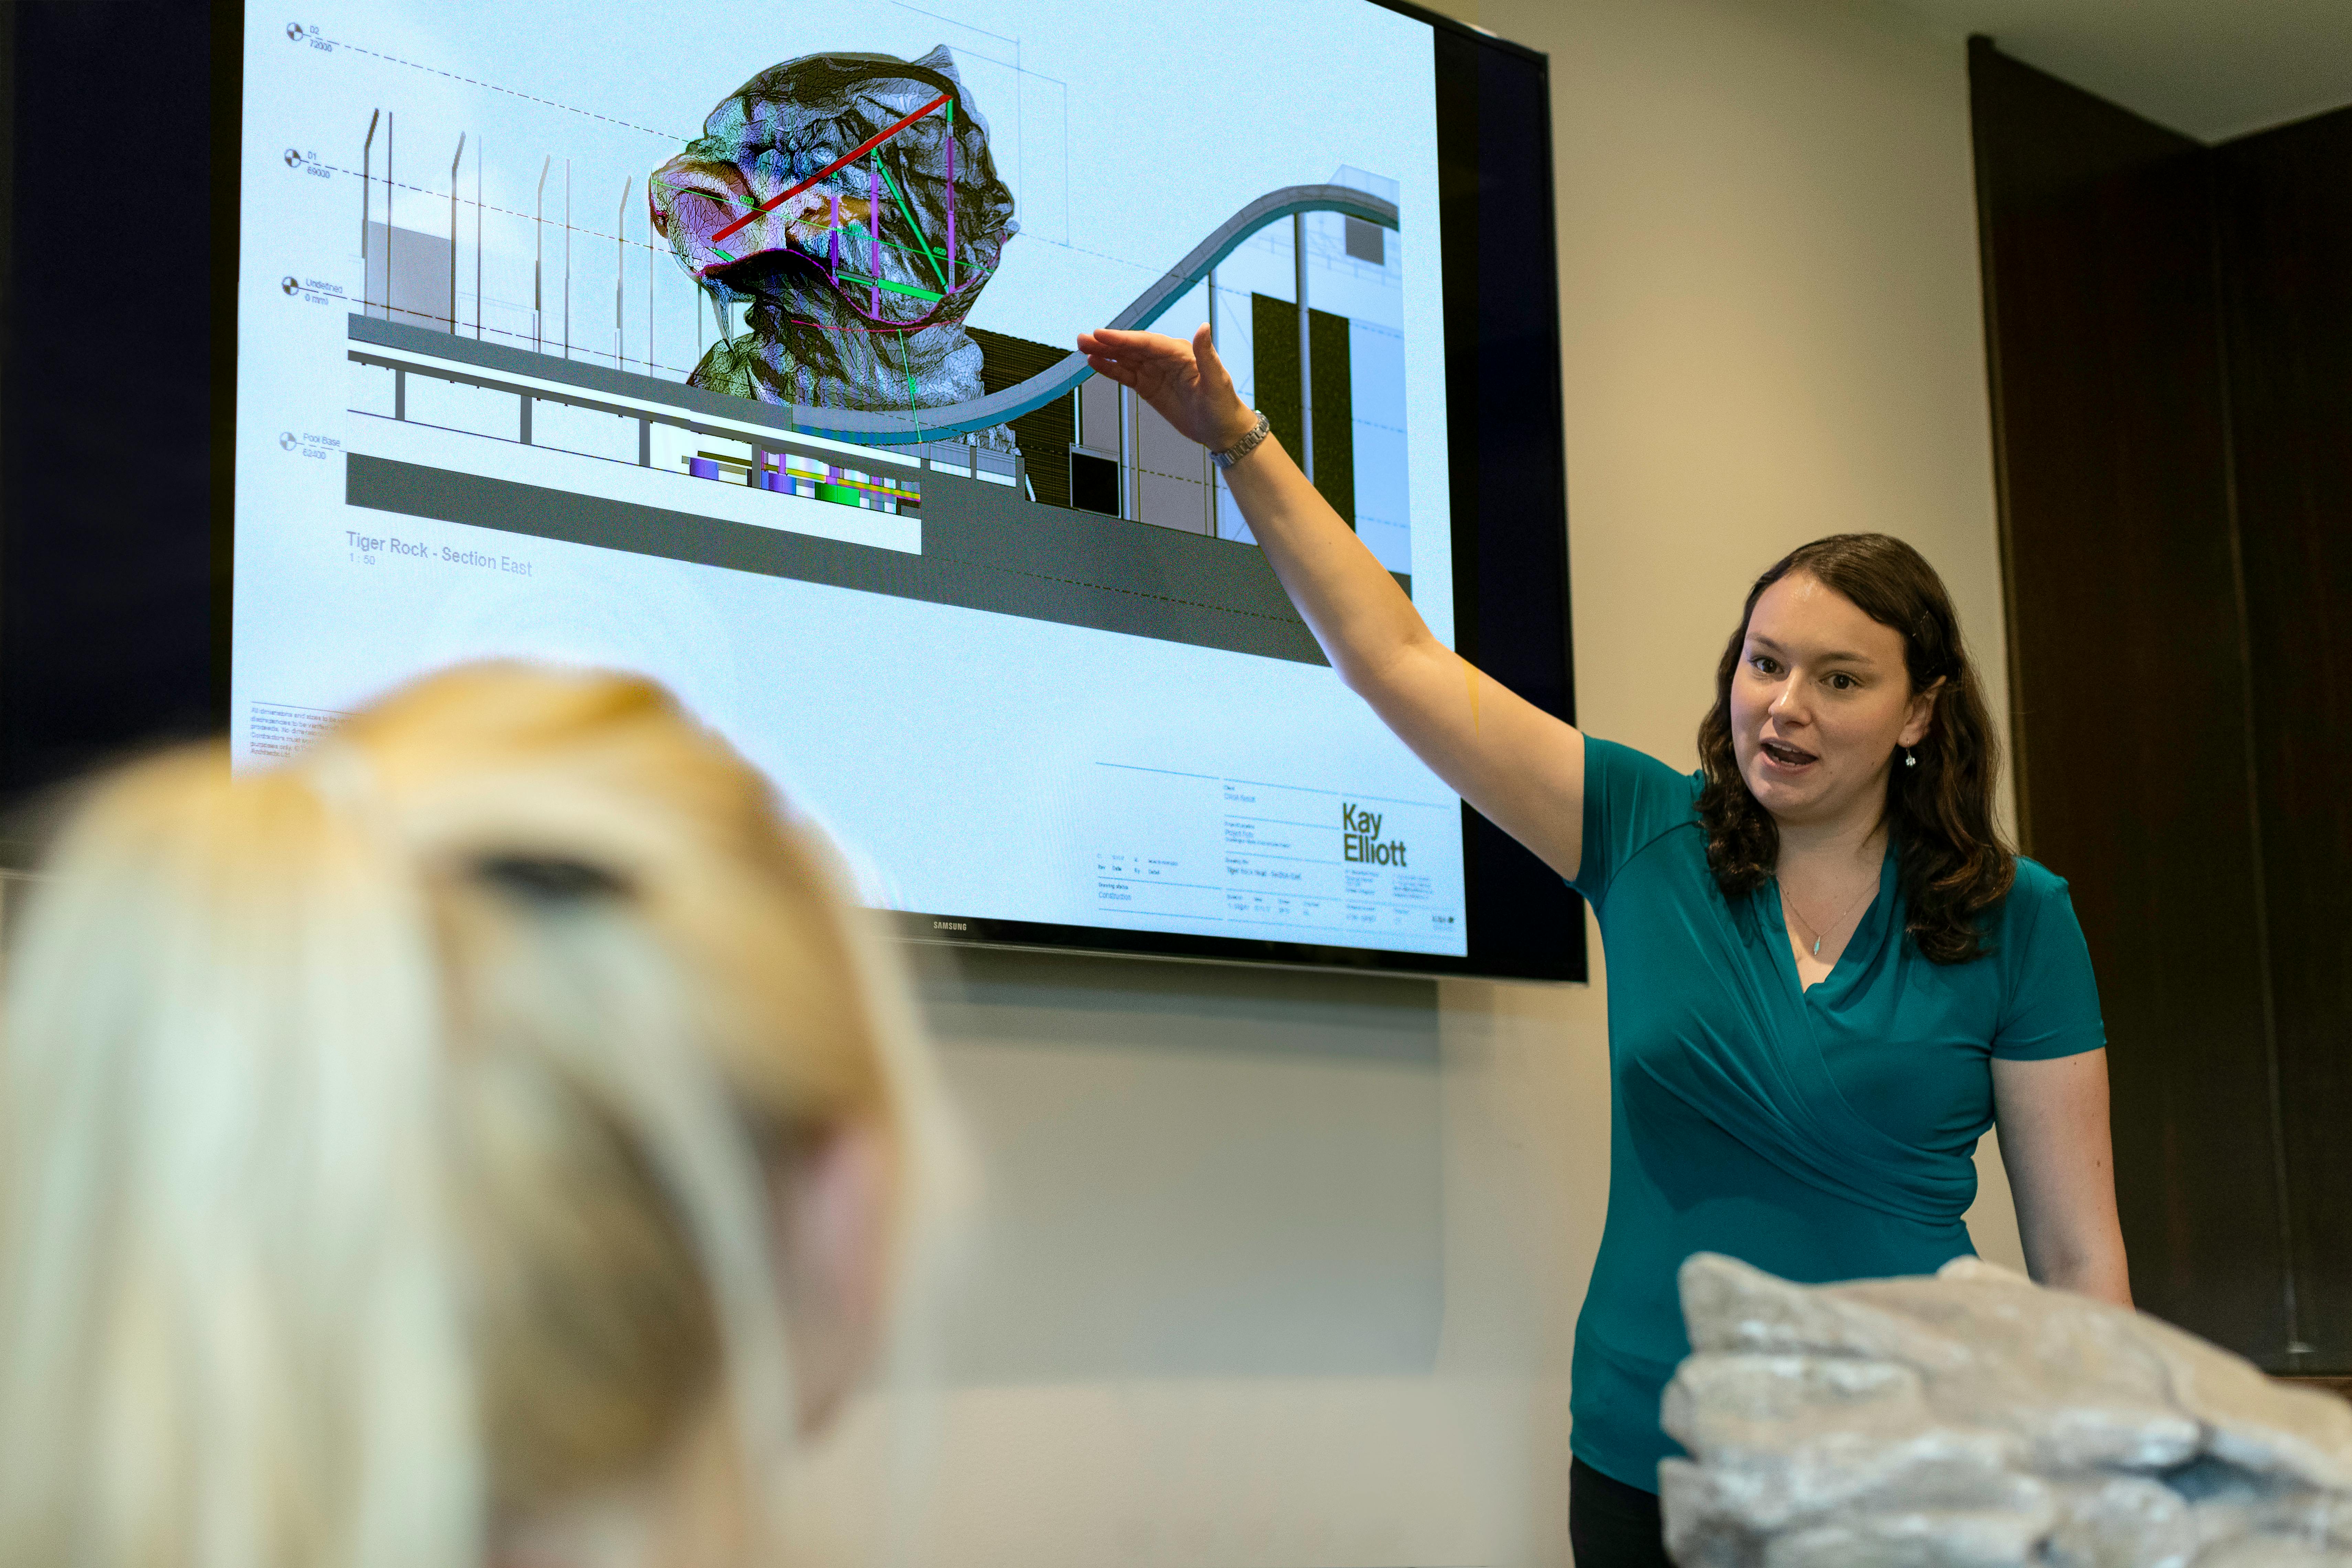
(984, 548)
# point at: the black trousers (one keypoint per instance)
(1611, 1525)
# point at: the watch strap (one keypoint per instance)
(1245, 447)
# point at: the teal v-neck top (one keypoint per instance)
(1821, 1135)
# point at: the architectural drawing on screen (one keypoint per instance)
(835, 246)
(851, 204)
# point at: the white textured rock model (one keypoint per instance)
(1974, 1420)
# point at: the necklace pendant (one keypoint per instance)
(1816, 947)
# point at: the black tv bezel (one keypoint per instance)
(1508, 478)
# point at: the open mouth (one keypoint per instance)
(1786, 755)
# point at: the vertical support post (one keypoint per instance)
(399, 392)
(651, 255)
(951, 204)
(645, 442)
(538, 273)
(388, 189)
(874, 226)
(455, 159)
(621, 267)
(1306, 351)
(1208, 466)
(1207, 494)
(478, 242)
(1130, 494)
(567, 264)
(367, 206)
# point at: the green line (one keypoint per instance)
(912, 221)
(857, 234)
(888, 286)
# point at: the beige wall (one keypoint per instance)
(1284, 1271)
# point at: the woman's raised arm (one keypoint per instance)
(1522, 768)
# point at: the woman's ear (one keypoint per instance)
(1919, 719)
(833, 1208)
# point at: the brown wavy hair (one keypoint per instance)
(1951, 861)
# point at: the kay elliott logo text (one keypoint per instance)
(1360, 839)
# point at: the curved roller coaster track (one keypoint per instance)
(899, 427)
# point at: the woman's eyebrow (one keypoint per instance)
(1839, 657)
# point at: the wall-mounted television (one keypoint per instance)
(731, 340)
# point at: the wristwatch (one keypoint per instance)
(1245, 447)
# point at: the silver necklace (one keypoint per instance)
(1820, 933)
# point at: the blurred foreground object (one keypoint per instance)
(1975, 1420)
(489, 1136)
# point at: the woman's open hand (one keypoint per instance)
(1186, 383)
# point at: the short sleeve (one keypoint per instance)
(2053, 1004)
(1630, 798)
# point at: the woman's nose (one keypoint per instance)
(1788, 702)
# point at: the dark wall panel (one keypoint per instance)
(2283, 204)
(2128, 664)
(120, 512)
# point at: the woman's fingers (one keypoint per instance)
(1123, 374)
(1139, 349)
(1145, 360)
(1105, 343)
(1119, 339)
(1206, 355)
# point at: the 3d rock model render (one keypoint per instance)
(852, 201)
(1975, 1420)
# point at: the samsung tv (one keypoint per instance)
(731, 340)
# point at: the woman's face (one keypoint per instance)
(1820, 702)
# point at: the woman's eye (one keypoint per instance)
(1765, 665)
(1843, 683)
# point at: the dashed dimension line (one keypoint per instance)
(510, 92)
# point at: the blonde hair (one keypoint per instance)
(389, 1135)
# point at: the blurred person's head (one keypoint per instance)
(485, 1137)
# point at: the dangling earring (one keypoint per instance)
(1909, 760)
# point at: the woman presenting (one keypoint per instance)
(1828, 976)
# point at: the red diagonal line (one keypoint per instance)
(849, 157)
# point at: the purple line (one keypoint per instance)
(841, 162)
(832, 241)
(873, 225)
(951, 198)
